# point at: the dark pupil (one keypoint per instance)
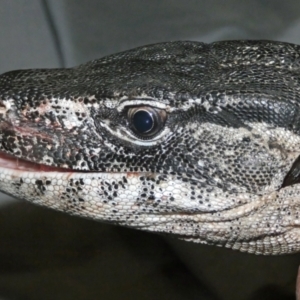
(142, 121)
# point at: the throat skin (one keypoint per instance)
(219, 164)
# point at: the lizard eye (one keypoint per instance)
(146, 121)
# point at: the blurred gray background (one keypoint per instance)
(47, 255)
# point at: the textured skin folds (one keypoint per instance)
(221, 169)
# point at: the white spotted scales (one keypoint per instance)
(201, 141)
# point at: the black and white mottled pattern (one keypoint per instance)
(220, 168)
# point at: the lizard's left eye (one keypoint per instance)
(146, 121)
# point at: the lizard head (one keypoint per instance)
(191, 139)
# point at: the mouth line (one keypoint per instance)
(15, 164)
(8, 161)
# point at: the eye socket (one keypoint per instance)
(146, 121)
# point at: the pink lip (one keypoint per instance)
(8, 161)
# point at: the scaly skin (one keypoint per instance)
(220, 165)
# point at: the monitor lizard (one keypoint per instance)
(200, 141)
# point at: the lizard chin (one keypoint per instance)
(9, 161)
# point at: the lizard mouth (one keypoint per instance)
(8, 161)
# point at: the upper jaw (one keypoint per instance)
(8, 161)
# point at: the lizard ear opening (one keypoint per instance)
(293, 175)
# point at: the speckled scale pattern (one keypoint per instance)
(213, 173)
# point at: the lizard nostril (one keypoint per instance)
(3, 108)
